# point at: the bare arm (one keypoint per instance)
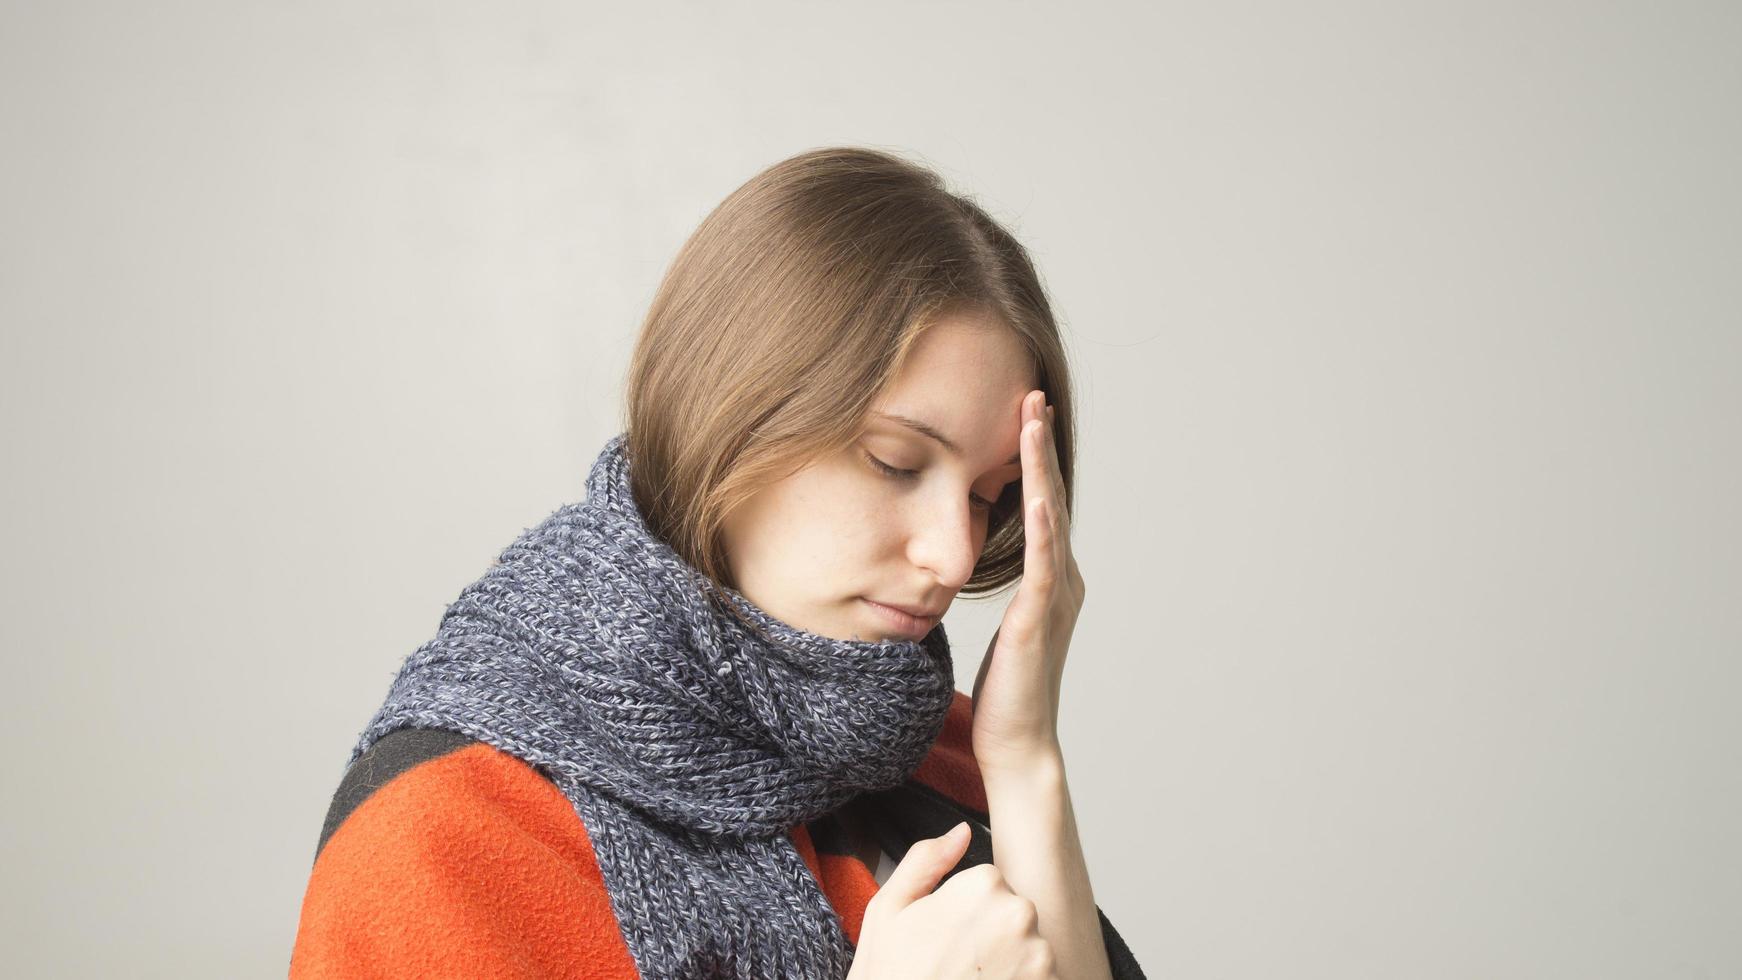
(1036, 848)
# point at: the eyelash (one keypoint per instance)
(888, 470)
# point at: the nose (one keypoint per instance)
(943, 541)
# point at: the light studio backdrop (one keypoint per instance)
(1408, 341)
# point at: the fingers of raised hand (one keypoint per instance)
(1041, 477)
(1039, 506)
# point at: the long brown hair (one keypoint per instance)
(784, 316)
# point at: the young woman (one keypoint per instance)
(704, 724)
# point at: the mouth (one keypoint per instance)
(903, 624)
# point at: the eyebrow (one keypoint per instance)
(926, 430)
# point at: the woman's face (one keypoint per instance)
(821, 547)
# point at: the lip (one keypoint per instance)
(901, 621)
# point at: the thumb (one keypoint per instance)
(921, 867)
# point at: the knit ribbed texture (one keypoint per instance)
(689, 745)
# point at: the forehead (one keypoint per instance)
(962, 384)
(960, 367)
(936, 435)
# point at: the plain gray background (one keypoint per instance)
(1408, 339)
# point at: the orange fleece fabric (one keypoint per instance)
(473, 864)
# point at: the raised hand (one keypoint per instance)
(1016, 694)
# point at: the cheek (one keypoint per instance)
(830, 519)
(855, 523)
(857, 517)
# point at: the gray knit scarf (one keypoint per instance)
(689, 744)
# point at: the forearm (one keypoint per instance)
(1036, 848)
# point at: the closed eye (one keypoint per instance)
(910, 475)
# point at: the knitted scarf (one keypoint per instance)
(689, 744)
